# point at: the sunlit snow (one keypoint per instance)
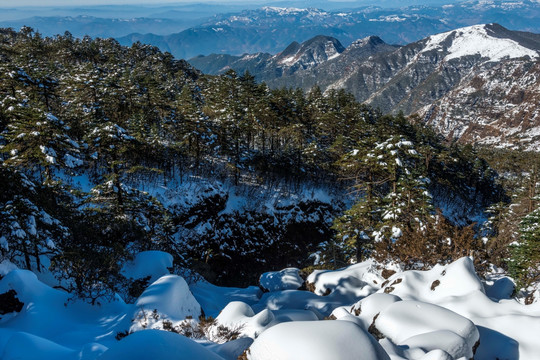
(444, 313)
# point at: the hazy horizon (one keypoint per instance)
(147, 3)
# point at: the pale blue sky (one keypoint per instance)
(11, 3)
(19, 3)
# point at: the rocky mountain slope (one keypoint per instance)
(478, 82)
(299, 64)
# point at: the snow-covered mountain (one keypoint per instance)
(271, 29)
(479, 83)
(310, 53)
(296, 57)
(303, 65)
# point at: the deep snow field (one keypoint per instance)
(353, 313)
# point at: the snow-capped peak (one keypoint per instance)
(311, 52)
(478, 40)
(292, 11)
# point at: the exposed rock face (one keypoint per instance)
(496, 105)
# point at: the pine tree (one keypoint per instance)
(524, 265)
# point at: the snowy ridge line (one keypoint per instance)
(475, 40)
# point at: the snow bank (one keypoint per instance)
(338, 340)
(169, 298)
(428, 315)
(286, 279)
(158, 345)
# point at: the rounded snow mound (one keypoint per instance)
(456, 279)
(168, 298)
(24, 346)
(286, 279)
(148, 263)
(428, 326)
(241, 317)
(316, 340)
(158, 345)
(354, 279)
(367, 308)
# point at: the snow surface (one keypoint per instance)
(475, 40)
(158, 345)
(321, 340)
(286, 279)
(438, 314)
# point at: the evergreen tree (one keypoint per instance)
(524, 265)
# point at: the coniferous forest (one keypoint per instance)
(91, 130)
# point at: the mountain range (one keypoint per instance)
(478, 83)
(187, 30)
(271, 29)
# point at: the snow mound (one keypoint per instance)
(320, 340)
(240, 316)
(169, 298)
(422, 325)
(286, 279)
(456, 279)
(353, 277)
(475, 40)
(148, 263)
(27, 286)
(24, 346)
(158, 345)
(367, 308)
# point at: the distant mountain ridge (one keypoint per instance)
(299, 64)
(271, 29)
(479, 83)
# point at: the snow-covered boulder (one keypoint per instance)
(286, 279)
(168, 298)
(422, 325)
(148, 263)
(240, 316)
(350, 279)
(318, 340)
(367, 308)
(158, 345)
(456, 279)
